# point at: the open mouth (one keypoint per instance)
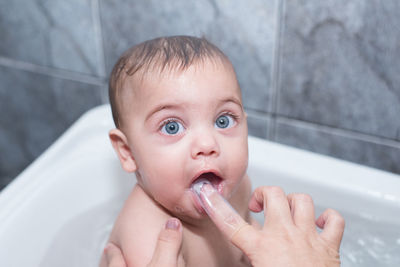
(213, 178)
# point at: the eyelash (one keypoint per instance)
(234, 116)
(165, 122)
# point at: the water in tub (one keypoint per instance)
(367, 241)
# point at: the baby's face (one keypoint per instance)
(184, 125)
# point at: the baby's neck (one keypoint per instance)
(204, 225)
(205, 244)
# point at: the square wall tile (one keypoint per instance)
(245, 31)
(339, 66)
(258, 125)
(36, 109)
(52, 33)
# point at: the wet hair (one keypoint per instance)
(173, 53)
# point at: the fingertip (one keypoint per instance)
(256, 203)
(172, 231)
(331, 217)
(169, 243)
(333, 224)
(255, 206)
(320, 222)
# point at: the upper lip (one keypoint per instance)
(197, 175)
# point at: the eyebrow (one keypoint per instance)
(179, 105)
(162, 107)
(233, 100)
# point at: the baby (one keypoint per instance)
(179, 117)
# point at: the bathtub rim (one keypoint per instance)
(306, 165)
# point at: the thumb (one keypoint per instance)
(169, 242)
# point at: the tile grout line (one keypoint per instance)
(275, 72)
(257, 113)
(99, 35)
(339, 132)
(260, 115)
(96, 13)
(52, 72)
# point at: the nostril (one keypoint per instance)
(206, 152)
(205, 145)
(203, 152)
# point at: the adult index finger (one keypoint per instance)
(228, 221)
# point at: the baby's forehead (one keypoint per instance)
(145, 84)
(159, 73)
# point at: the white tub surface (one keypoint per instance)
(59, 211)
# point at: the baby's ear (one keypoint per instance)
(120, 144)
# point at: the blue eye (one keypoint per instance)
(172, 128)
(224, 121)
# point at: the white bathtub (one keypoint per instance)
(60, 210)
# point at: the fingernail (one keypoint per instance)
(172, 224)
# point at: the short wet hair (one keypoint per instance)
(173, 53)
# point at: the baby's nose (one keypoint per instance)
(205, 144)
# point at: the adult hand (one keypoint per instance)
(166, 253)
(289, 236)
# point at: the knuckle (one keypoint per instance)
(340, 222)
(332, 213)
(166, 237)
(245, 237)
(336, 218)
(301, 199)
(304, 198)
(275, 191)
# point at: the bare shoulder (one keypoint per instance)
(137, 228)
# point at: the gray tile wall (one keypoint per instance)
(313, 75)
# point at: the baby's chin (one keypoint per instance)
(188, 210)
(191, 217)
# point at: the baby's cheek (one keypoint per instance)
(240, 162)
(168, 196)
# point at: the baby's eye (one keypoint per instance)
(224, 121)
(172, 128)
